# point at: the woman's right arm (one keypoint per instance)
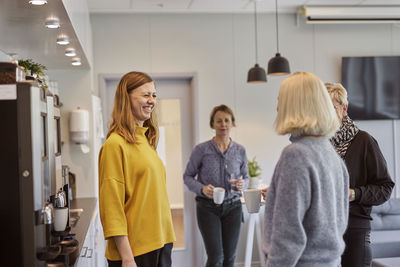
(112, 198)
(192, 169)
(125, 251)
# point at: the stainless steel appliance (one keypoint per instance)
(28, 153)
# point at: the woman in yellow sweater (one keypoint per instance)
(134, 205)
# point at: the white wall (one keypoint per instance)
(220, 48)
(75, 88)
(3, 56)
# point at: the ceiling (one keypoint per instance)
(217, 6)
(23, 31)
(22, 28)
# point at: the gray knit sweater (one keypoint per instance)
(306, 208)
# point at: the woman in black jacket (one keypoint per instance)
(370, 182)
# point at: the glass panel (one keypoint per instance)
(170, 151)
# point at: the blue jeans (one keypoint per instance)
(220, 227)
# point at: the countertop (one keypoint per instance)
(89, 212)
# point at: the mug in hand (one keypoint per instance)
(218, 195)
(252, 199)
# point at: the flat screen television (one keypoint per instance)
(373, 87)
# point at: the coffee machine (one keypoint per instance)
(30, 165)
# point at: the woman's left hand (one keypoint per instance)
(239, 183)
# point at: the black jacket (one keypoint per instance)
(369, 177)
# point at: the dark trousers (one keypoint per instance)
(156, 258)
(358, 248)
(220, 227)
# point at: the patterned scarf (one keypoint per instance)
(343, 137)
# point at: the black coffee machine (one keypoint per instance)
(30, 165)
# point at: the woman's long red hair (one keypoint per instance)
(123, 122)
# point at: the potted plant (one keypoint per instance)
(254, 173)
(34, 69)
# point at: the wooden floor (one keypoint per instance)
(177, 220)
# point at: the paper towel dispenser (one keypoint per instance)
(79, 126)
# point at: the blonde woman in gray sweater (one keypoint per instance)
(306, 207)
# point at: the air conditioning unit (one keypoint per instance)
(351, 14)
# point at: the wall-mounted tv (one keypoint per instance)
(373, 87)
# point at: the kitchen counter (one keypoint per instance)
(89, 206)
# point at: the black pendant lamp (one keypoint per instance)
(256, 74)
(278, 65)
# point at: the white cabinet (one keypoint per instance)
(85, 258)
(92, 252)
(99, 244)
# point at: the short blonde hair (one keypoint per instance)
(337, 92)
(304, 107)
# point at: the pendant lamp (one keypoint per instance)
(278, 65)
(256, 74)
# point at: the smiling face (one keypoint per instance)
(143, 101)
(222, 123)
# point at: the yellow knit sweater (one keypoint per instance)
(133, 196)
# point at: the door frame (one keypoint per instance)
(191, 232)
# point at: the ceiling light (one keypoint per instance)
(76, 61)
(70, 52)
(278, 65)
(37, 2)
(62, 40)
(53, 23)
(256, 74)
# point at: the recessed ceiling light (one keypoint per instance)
(62, 40)
(37, 2)
(76, 61)
(52, 23)
(70, 52)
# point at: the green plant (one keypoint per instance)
(254, 168)
(32, 68)
(26, 64)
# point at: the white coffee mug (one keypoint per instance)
(218, 195)
(252, 199)
(60, 219)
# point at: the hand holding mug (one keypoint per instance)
(252, 199)
(264, 192)
(208, 190)
(218, 195)
(352, 194)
